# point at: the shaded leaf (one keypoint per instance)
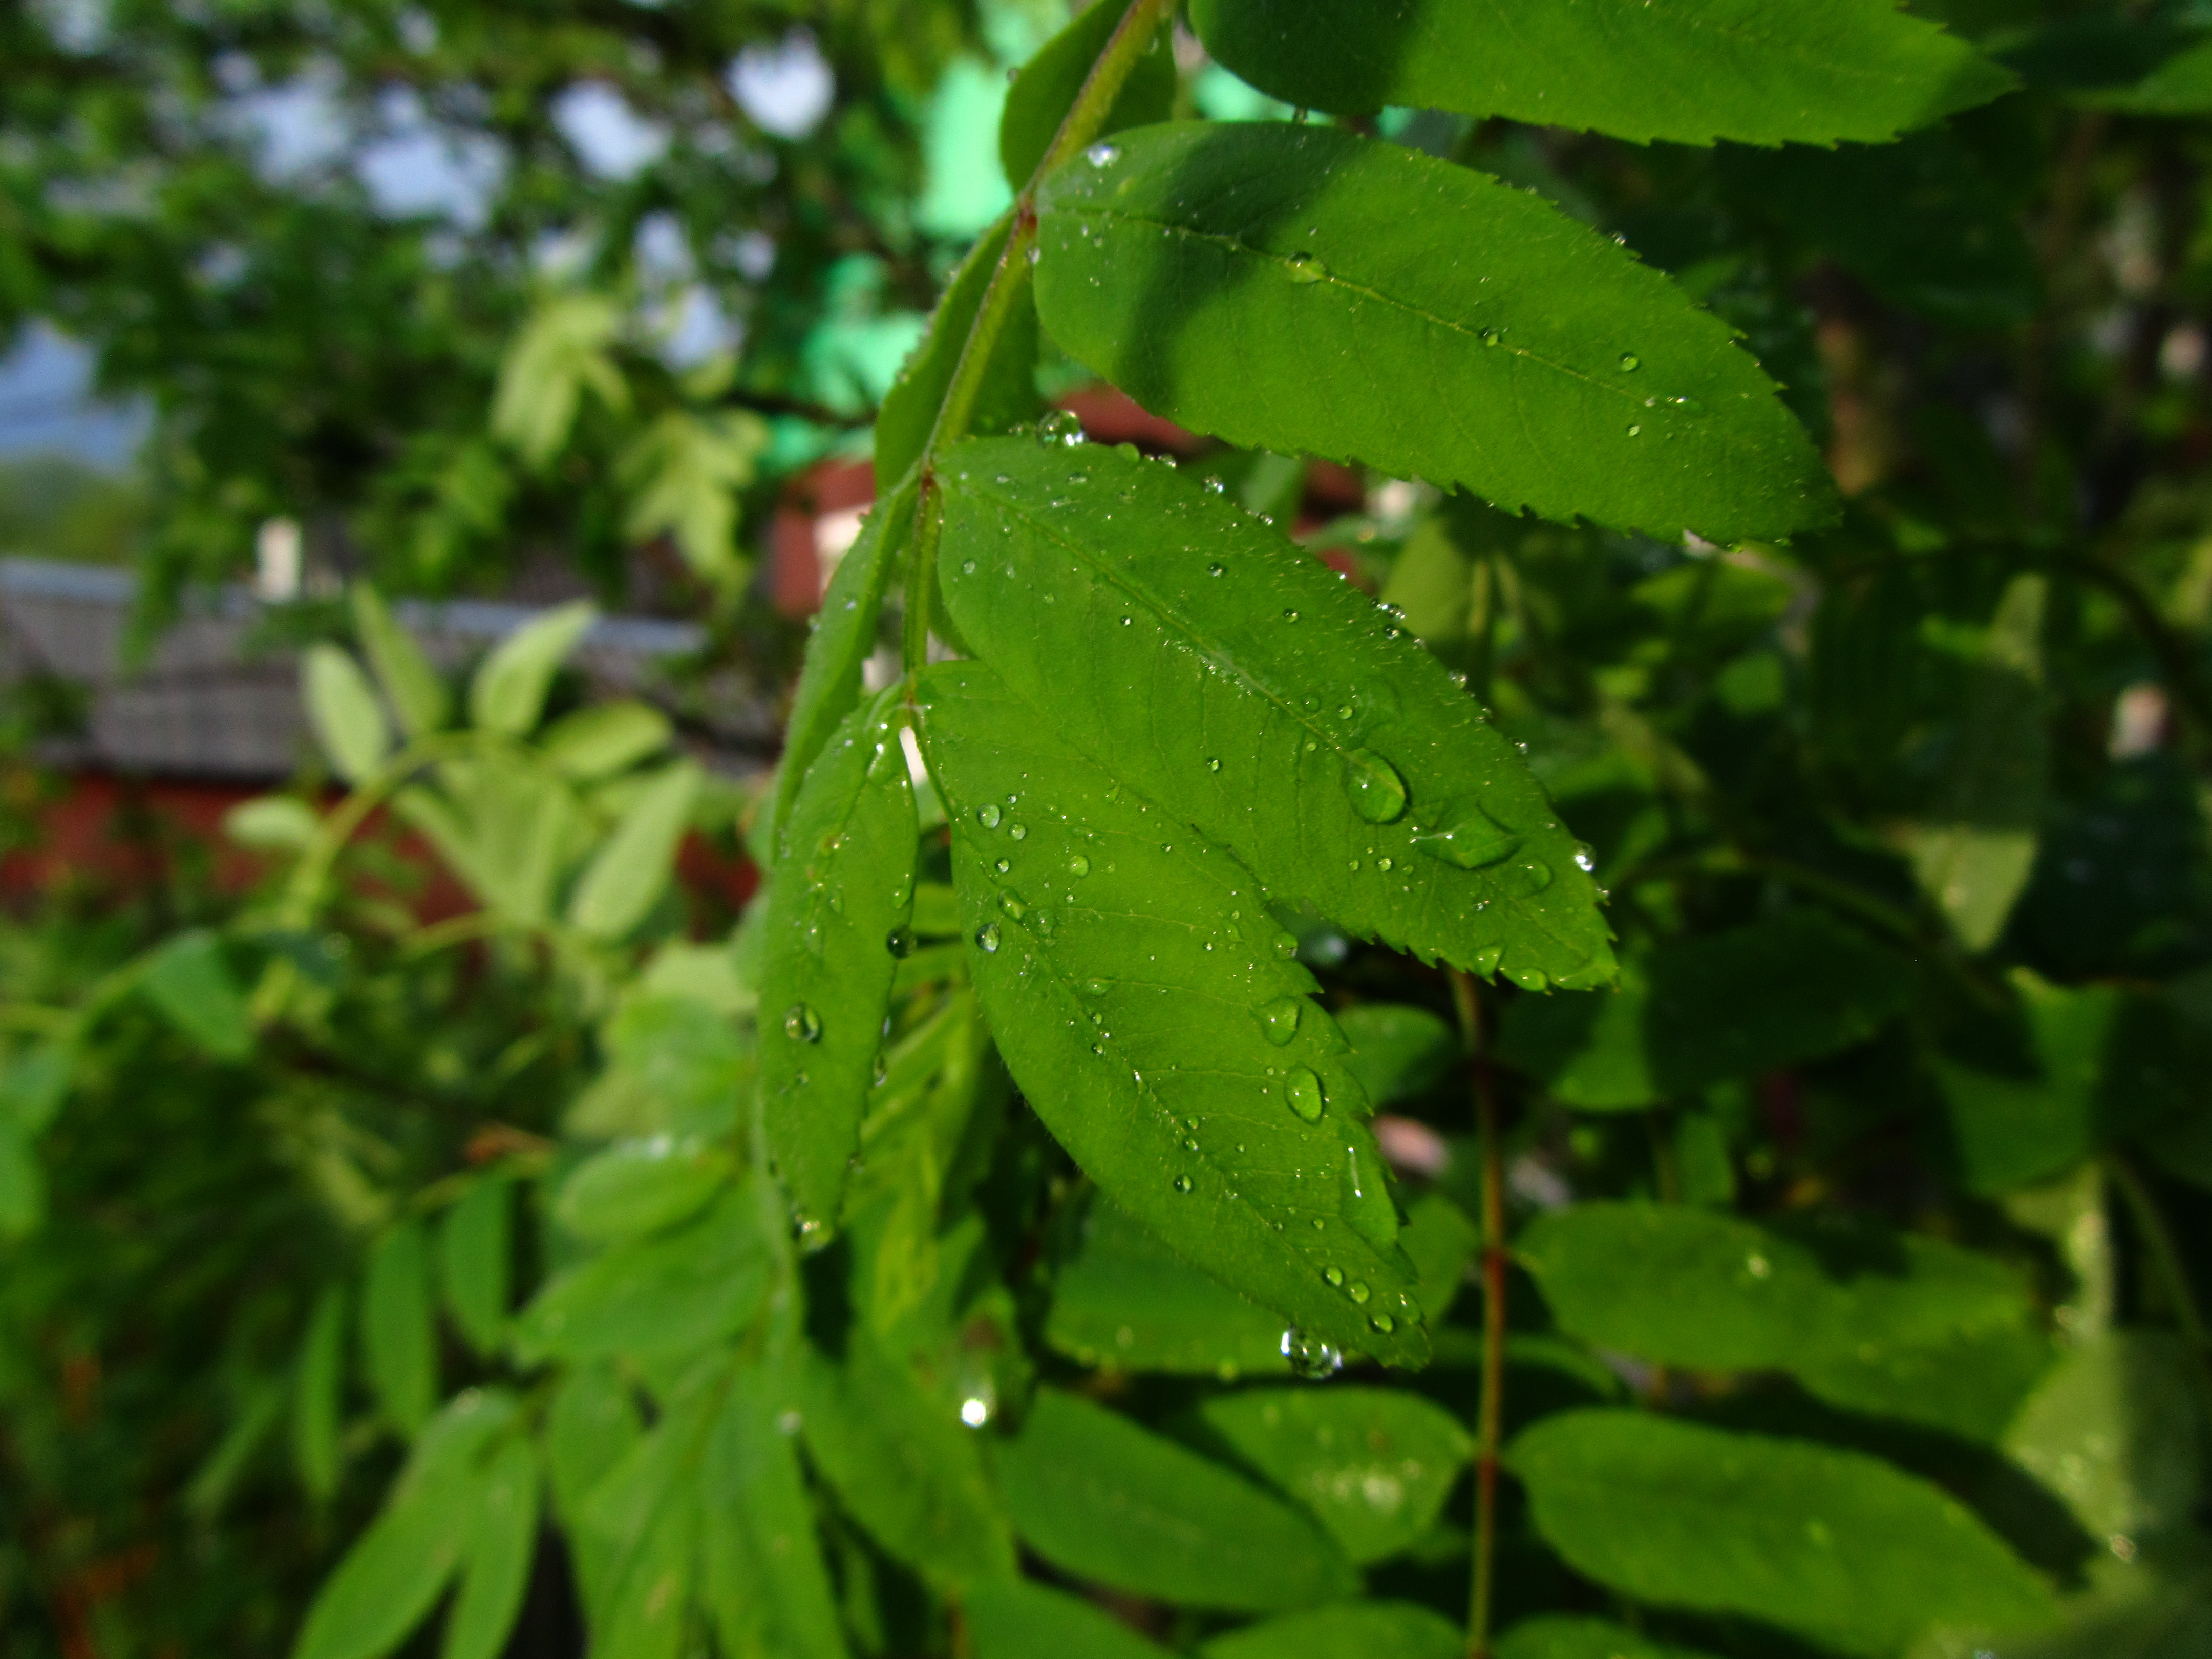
(1204, 660)
(503, 1543)
(1134, 983)
(1373, 1466)
(189, 980)
(2182, 85)
(1008, 393)
(2115, 1431)
(398, 1343)
(414, 689)
(1835, 1545)
(1689, 73)
(762, 1572)
(507, 692)
(1698, 1009)
(476, 1255)
(1397, 1051)
(22, 1184)
(1039, 100)
(590, 1428)
(342, 707)
(1441, 1239)
(1104, 1499)
(1300, 288)
(603, 738)
(843, 882)
(1019, 1620)
(318, 1377)
(1127, 1300)
(1554, 1636)
(1363, 1630)
(638, 1187)
(629, 873)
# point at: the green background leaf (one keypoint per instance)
(1019, 1620)
(342, 708)
(1039, 99)
(507, 692)
(189, 980)
(1368, 1630)
(628, 874)
(399, 1341)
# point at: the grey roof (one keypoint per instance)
(207, 702)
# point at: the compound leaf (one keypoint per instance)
(1039, 99)
(842, 885)
(1135, 985)
(1688, 72)
(1204, 660)
(1101, 1499)
(1373, 1466)
(1363, 1630)
(1302, 289)
(1834, 1545)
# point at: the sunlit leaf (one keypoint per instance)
(1039, 99)
(629, 873)
(342, 708)
(508, 693)
(416, 690)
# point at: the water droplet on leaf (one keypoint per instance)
(987, 937)
(1475, 840)
(1103, 155)
(801, 1024)
(1302, 1090)
(1378, 793)
(1279, 1020)
(988, 815)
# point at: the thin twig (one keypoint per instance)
(1491, 1407)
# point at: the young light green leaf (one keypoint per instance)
(399, 1342)
(1687, 73)
(632, 870)
(414, 689)
(1008, 394)
(903, 1467)
(508, 693)
(1206, 662)
(844, 638)
(507, 827)
(500, 1547)
(1698, 1009)
(638, 1187)
(669, 1295)
(272, 823)
(1555, 1635)
(558, 352)
(1128, 1301)
(1136, 985)
(189, 980)
(1373, 1466)
(761, 1575)
(399, 1567)
(342, 708)
(1300, 288)
(317, 1377)
(1834, 1545)
(1039, 99)
(838, 903)
(1357, 1630)
(1896, 1325)
(1020, 1619)
(603, 738)
(476, 1257)
(1105, 1500)
(1397, 1051)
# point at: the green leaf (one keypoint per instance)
(476, 1254)
(398, 1569)
(34, 1083)
(2182, 85)
(844, 884)
(1555, 1636)
(640, 1528)
(342, 708)
(1440, 1239)
(558, 352)
(1128, 1301)
(1022, 1619)
(318, 1377)
(1698, 1009)
(1896, 1325)
(414, 689)
(1104, 1499)
(1397, 1051)
(1834, 1546)
(1039, 100)
(1278, 715)
(1362, 1630)
(22, 1184)
(188, 979)
(508, 693)
(2116, 1431)
(1373, 1466)
(272, 823)
(1689, 73)
(2012, 1124)
(629, 873)
(639, 1187)
(603, 738)
(671, 1294)
(844, 639)
(1300, 288)
(684, 473)
(399, 1341)
(590, 1428)
(1134, 984)
(212, 1483)
(762, 1572)
(1008, 395)
(504, 1542)
(904, 1467)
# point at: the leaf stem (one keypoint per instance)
(1490, 1406)
(1131, 37)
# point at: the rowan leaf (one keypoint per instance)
(1373, 1466)
(1834, 1545)
(1105, 1500)
(1688, 73)
(632, 869)
(1008, 395)
(504, 1544)
(841, 888)
(1360, 1630)
(342, 707)
(1206, 662)
(399, 1342)
(603, 738)
(189, 980)
(1039, 99)
(476, 1253)
(1020, 1619)
(417, 693)
(1137, 988)
(1301, 288)
(761, 1575)
(638, 1187)
(508, 693)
